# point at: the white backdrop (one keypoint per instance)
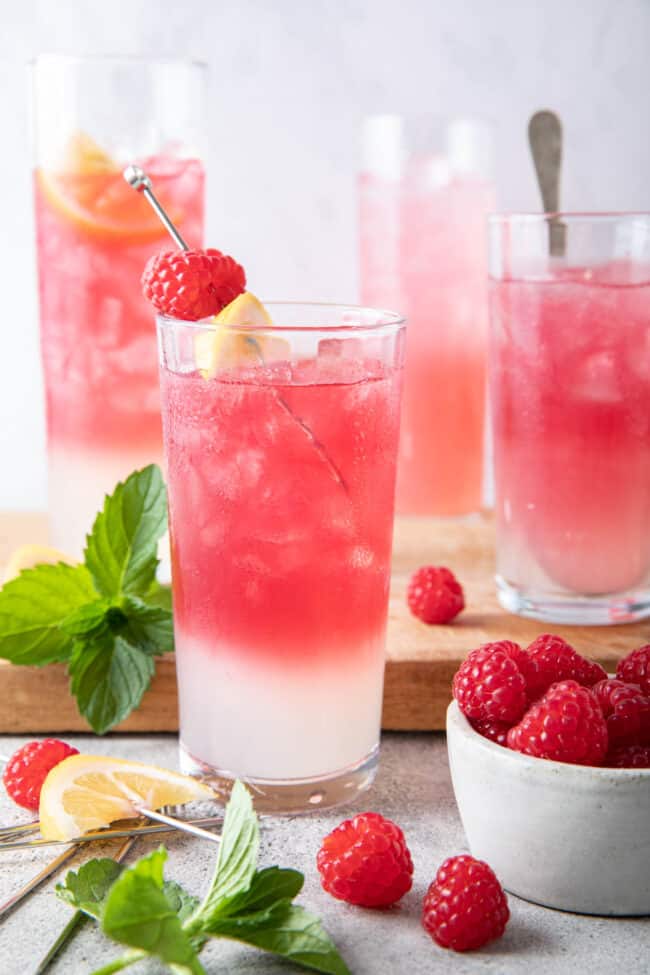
(289, 83)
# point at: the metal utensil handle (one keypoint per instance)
(77, 918)
(109, 834)
(180, 824)
(138, 179)
(37, 880)
(545, 139)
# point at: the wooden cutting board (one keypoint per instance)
(421, 660)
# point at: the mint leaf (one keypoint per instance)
(121, 548)
(86, 620)
(119, 964)
(267, 887)
(237, 857)
(151, 628)
(159, 595)
(138, 913)
(88, 888)
(182, 902)
(34, 605)
(288, 931)
(108, 678)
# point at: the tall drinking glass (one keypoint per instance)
(281, 448)
(425, 193)
(93, 237)
(570, 392)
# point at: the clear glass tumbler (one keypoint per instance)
(92, 116)
(570, 396)
(425, 193)
(281, 448)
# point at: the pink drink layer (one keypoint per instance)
(570, 391)
(97, 336)
(281, 482)
(424, 252)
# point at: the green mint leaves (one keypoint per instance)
(152, 917)
(108, 618)
(121, 549)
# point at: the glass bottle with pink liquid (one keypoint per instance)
(281, 476)
(570, 395)
(425, 192)
(93, 237)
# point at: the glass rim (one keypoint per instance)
(385, 319)
(571, 216)
(126, 59)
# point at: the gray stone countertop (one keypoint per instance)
(414, 789)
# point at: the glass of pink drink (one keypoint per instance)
(281, 476)
(570, 395)
(93, 238)
(424, 196)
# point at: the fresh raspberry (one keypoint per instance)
(626, 710)
(366, 861)
(629, 756)
(551, 659)
(566, 725)
(465, 906)
(192, 284)
(25, 771)
(435, 595)
(496, 731)
(635, 668)
(490, 685)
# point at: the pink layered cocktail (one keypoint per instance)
(97, 341)
(570, 390)
(93, 238)
(281, 486)
(424, 251)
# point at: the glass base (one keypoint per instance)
(290, 796)
(573, 609)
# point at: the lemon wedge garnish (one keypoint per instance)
(87, 792)
(29, 556)
(224, 347)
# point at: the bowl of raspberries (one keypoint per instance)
(550, 763)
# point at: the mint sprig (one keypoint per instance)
(108, 618)
(156, 918)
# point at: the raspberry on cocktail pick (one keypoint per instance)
(186, 284)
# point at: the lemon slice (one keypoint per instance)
(88, 792)
(29, 556)
(222, 348)
(90, 193)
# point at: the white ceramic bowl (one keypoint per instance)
(566, 836)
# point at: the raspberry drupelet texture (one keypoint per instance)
(566, 725)
(496, 731)
(489, 684)
(635, 668)
(465, 906)
(626, 711)
(550, 659)
(192, 284)
(435, 595)
(366, 861)
(629, 756)
(27, 768)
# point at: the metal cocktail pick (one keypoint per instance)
(138, 179)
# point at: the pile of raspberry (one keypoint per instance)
(550, 702)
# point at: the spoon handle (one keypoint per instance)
(545, 139)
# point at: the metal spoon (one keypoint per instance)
(545, 139)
